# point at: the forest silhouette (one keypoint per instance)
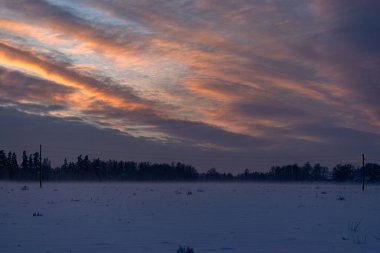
(85, 169)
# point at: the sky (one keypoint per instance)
(216, 83)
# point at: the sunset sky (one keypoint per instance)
(216, 83)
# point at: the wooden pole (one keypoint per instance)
(363, 176)
(40, 166)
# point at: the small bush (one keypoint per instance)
(25, 188)
(354, 226)
(185, 249)
(340, 197)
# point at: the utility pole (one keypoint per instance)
(40, 166)
(363, 172)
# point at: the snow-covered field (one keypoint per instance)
(215, 217)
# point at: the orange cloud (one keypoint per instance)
(36, 32)
(23, 60)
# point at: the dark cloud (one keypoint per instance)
(198, 133)
(270, 109)
(17, 85)
(183, 131)
(33, 108)
(356, 22)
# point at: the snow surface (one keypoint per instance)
(215, 217)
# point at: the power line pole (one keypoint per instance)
(40, 166)
(363, 172)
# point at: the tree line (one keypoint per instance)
(85, 169)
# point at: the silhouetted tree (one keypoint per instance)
(372, 172)
(212, 174)
(319, 173)
(24, 163)
(46, 169)
(3, 165)
(30, 163)
(343, 173)
(12, 165)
